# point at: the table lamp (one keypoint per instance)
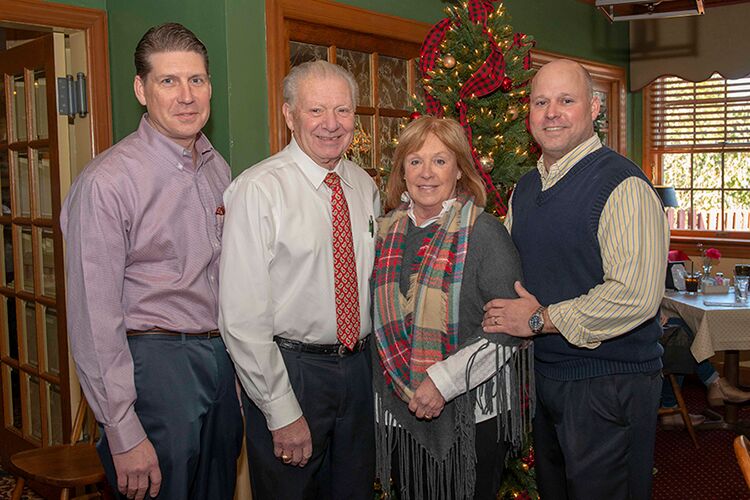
(668, 196)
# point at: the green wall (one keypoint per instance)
(92, 4)
(234, 32)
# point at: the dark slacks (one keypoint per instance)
(337, 401)
(188, 406)
(490, 464)
(594, 438)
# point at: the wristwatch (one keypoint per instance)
(536, 321)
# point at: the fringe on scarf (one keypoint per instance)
(510, 391)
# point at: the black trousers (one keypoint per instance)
(187, 403)
(594, 438)
(337, 401)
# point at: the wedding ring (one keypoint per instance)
(427, 416)
(285, 458)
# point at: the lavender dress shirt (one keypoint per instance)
(142, 225)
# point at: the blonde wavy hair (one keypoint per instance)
(453, 136)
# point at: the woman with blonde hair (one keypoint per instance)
(442, 424)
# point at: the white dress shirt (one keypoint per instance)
(277, 268)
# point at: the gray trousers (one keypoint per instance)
(337, 401)
(594, 438)
(188, 406)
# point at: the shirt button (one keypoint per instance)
(179, 165)
(212, 278)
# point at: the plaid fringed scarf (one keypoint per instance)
(414, 333)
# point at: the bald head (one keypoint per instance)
(563, 108)
(567, 66)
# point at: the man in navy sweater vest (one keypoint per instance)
(593, 240)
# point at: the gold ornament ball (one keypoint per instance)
(487, 164)
(512, 113)
(449, 61)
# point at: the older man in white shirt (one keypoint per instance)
(294, 298)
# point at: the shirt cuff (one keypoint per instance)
(126, 434)
(281, 411)
(570, 328)
(443, 381)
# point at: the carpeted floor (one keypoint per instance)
(710, 473)
(7, 483)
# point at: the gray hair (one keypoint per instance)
(317, 69)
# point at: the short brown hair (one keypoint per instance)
(167, 37)
(453, 136)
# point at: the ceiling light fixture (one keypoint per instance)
(628, 10)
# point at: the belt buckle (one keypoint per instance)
(342, 350)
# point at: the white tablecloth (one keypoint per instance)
(716, 327)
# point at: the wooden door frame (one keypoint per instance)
(93, 23)
(326, 13)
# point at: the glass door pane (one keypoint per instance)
(28, 333)
(5, 182)
(39, 105)
(23, 198)
(47, 254)
(18, 112)
(43, 182)
(12, 385)
(6, 260)
(52, 347)
(54, 410)
(3, 120)
(33, 396)
(26, 258)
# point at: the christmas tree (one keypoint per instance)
(476, 70)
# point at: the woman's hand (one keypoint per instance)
(427, 402)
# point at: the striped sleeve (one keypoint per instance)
(634, 239)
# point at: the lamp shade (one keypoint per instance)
(668, 196)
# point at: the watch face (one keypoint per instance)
(536, 323)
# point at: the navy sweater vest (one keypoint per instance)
(555, 232)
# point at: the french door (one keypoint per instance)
(34, 387)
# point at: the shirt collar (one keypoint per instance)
(562, 166)
(311, 170)
(410, 211)
(170, 150)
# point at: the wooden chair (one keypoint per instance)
(741, 445)
(678, 359)
(681, 408)
(67, 466)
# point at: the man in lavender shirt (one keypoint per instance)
(143, 225)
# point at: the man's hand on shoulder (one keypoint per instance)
(136, 469)
(512, 316)
(292, 444)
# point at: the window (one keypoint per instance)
(697, 139)
(380, 51)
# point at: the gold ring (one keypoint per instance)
(427, 416)
(284, 457)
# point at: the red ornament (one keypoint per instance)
(506, 85)
(415, 115)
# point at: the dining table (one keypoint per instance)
(720, 324)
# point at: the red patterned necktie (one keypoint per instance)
(344, 267)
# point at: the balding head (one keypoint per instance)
(563, 108)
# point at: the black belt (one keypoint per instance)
(171, 333)
(337, 349)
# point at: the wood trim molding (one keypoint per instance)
(325, 13)
(94, 23)
(614, 76)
